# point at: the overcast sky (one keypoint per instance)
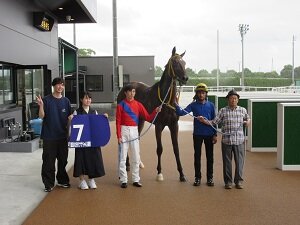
(155, 27)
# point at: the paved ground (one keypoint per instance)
(21, 188)
(270, 195)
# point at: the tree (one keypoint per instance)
(297, 72)
(203, 73)
(86, 52)
(247, 72)
(190, 73)
(231, 73)
(214, 72)
(158, 71)
(286, 71)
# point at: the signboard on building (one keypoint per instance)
(42, 21)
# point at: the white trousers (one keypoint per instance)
(129, 133)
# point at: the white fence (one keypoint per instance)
(288, 89)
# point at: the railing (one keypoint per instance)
(288, 89)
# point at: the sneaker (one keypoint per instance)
(210, 182)
(48, 189)
(228, 186)
(239, 186)
(67, 185)
(137, 184)
(197, 181)
(83, 185)
(124, 185)
(142, 166)
(92, 184)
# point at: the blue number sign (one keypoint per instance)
(89, 131)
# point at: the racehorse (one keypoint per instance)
(152, 97)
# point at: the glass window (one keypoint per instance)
(94, 82)
(126, 79)
(38, 75)
(1, 86)
(6, 85)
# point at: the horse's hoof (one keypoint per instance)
(182, 178)
(142, 166)
(159, 177)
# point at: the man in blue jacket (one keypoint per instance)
(202, 132)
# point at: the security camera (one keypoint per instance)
(68, 18)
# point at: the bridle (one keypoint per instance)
(172, 74)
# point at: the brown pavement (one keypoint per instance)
(270, 196)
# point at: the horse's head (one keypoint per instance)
(176, 67)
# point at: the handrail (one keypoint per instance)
(286, 89)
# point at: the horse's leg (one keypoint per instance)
(174, 136)
(159, 149)
(140, 128)
(127, 163)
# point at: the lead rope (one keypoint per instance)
(150, 123)
(170, 69)
(229, 134)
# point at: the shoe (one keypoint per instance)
(142, 166)
(137, 184)
(228, 186)
(239, 186)
(124, 185)
(210, 182)
(197, 181)
(48, 189)
(83, 185)
(92, 184)
(64, 185)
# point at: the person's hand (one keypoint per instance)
(246, 123)
(39, 100)
(177, 97)
(215, 139)
(119, 140)
(158, 109)
(201, 119)
(70, 117)
(105, 114)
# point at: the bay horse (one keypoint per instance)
(152, 97)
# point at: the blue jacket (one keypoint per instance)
(206, 109)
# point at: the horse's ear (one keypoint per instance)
(182, 54)
(174, 51)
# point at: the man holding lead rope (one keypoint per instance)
(232, 118)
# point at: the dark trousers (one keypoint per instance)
(209, 149)
(52, 150)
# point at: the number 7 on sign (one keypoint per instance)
(80, 127)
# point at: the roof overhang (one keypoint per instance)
(72, 11)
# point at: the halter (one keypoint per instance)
(173, 75)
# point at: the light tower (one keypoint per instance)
(243, 28)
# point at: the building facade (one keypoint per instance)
(29, 56)
(96, 75)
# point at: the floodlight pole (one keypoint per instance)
(218, 68)
(293, 61)
(243, 28)
(115, 53)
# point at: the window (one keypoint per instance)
(126, 79)
(94, 82)
(6, 85)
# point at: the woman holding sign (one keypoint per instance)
(88, 160)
